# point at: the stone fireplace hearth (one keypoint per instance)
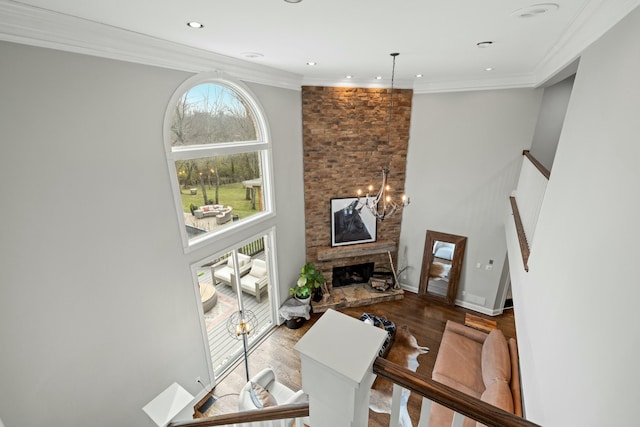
(355, 296)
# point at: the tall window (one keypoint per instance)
(218, 151)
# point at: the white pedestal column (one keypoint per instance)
(337, 356)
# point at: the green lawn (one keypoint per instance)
(228, 194)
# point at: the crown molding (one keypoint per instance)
(597, 17)
(358, 83)
(29, 25)
(509, 82)
(38, 27)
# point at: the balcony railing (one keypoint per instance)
(338, 387)
(462, 404)
(526, 202)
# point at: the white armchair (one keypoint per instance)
(223, 270)
(265, 381)
(255, 281)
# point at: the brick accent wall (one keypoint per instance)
(345, 147)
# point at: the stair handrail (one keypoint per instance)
(279, 412)
(453, 399)
(462, 403)
(543, 170)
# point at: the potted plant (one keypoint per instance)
(310, 279)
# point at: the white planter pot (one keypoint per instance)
(304, 301)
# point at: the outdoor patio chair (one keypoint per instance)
(223, 270)
(256, 280)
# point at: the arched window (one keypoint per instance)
(219, 156)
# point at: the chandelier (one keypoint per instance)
(382, 205)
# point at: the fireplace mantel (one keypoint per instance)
(363, 249)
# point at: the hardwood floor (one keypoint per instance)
(425, 319)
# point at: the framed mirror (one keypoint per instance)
(441, 266)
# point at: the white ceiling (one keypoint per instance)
(435, 38)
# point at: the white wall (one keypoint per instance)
(577, 309)
(97, 305)
(465, 152)
(550, 120)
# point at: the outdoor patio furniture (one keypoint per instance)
(208, 295)
(255, 281)
(223, 270)
(208, 210)
(224, 216)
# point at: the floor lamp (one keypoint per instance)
(239, 325)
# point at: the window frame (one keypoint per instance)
(262, 146)
(269, 233)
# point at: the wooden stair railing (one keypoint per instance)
(459, 402)
(522, 237)
(453, 399)
(521, 230)
(280, 412)
(544, 171)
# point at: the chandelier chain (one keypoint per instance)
(381, 205)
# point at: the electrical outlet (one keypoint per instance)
(488, 267)
(479, 265)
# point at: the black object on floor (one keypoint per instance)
(295, 322)
(207, 404)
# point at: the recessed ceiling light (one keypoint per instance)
(293, 1)
(194, 24)
(484, 44)
(378, 77)
(252, 55)
(489, 69)
(311, 63)
(535, 10)
(349, 77)
(418, 75)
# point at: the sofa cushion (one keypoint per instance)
(444, 379)
(496, 364)
(242, 260)
(258, 271)
(261, 397)
(499, 395)
(459, 360)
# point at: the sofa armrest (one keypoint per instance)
(465, 331)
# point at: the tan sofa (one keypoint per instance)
(481, 365)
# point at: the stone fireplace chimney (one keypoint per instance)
(345, 147)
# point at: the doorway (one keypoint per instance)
(221, 297)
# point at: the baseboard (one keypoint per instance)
(461, 303)
(409, 288)
(478, 308)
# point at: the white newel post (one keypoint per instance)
(337, 356)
